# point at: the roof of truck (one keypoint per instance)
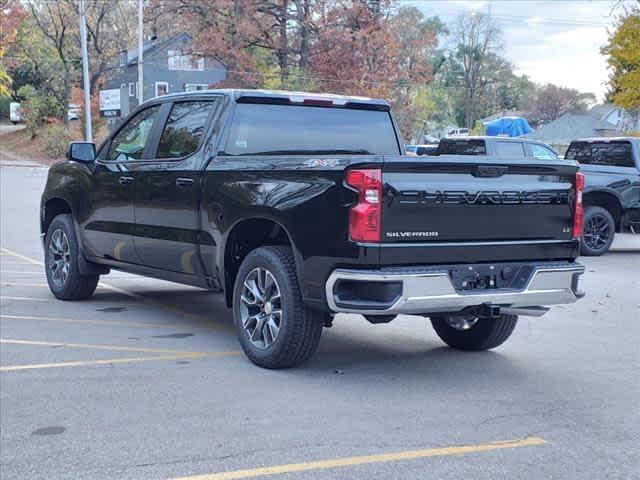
(294, 97)
(607, 139)
(495, 137)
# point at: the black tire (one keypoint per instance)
(599, 231)
(300, 327)
(484, 334)
(74, 286)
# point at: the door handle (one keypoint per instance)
(125, 180)
(184, 182)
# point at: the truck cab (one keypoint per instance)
(508, 147)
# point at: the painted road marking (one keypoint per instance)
(105, 322)
(28, 299)
(142, 298)
(21, 272)
(21, 257)
(37, 366)
(367, 459)
(12, 341)
(168, 355)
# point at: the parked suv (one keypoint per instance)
(300, 206)
(611, 167)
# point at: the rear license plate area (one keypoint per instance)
(475, 278)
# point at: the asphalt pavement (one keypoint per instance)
(146, 381)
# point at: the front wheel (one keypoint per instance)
(274, 327)
(469, 332)
(61, 262)
(599, 230)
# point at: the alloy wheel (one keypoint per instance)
(261, 308)
(597, 232)
(59, 258)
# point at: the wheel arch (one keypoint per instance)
(51, 208)
(607, 200)
(246, 235)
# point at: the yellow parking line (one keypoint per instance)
(367, 459)
(37, 366)
(12, 341)
(128, 293)
(104, 322)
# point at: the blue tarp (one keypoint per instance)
(509, 126)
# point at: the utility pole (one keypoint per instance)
(88, 133)
(140, 49)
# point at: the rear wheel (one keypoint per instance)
(468, 332)
(61, 262)
(274, 327)
(599, 230)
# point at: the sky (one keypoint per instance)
(550, 41)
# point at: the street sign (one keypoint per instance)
(110, 103)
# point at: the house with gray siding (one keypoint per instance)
(169, 67)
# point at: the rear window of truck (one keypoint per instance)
(618, 153)
(265, 129)
(462, 147)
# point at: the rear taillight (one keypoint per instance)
(578, 208)
(365, 217)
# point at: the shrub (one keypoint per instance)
(55, 140)
(37, 108)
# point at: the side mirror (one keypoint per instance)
(81, 152)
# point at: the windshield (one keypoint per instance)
(263, 129)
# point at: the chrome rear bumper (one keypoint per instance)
(429, 290)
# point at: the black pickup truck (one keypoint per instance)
(300, 206)
(611, 167)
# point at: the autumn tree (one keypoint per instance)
(111, 28)
(623, 51)
(552, 101)
(11, 16)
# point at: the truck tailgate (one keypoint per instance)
(454, 199)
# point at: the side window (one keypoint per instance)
(509, 149)
(542, 153)
(462, 147)
(130, 142)
(184, 129)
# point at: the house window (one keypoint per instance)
(123, 58)
(178, 60)
(193, 87)
(132, 89)
(162, 88)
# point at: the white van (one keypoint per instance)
(14, 112)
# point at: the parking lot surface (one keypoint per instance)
(146, 381)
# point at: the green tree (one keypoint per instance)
(623, 51)
(477, 38)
